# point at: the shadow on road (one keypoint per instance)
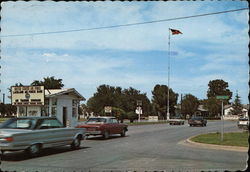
(22, 155)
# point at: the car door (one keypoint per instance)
(53, 134)
(116, 127)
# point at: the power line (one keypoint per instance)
(123, 25)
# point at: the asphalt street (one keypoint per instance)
(145, 148)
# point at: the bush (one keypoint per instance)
(132, 116)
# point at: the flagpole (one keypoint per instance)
(168, 73)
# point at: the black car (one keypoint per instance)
(197, 120)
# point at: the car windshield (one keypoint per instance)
(96, 121)
(197, 118)
(18, 124)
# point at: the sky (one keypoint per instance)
(211, 47)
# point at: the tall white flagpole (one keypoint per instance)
(168, 115)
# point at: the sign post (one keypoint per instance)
(222, 114)
(139, 109)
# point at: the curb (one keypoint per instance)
(212, 146)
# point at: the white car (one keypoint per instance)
(243, 123)
(35, 133)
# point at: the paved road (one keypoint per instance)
(145, 148)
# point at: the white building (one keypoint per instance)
(61, 103)
(229, 108)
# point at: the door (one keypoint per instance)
(64, 116)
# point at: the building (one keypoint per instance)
(229, 108)
(37, 101)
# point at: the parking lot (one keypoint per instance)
(145, 148)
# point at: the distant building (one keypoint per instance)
(229, 108)
(37, 101)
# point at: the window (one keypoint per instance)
(19, 124)
(50, 123)
(74, 112)
(54, 102)
(53, 111)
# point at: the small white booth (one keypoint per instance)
(37, 101)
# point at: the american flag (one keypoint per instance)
(175, 32)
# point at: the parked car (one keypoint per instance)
(104, 126)
(243, 123)
(197, 120)
(35, 133)
(176, 121)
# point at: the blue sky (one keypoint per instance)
(211, 47)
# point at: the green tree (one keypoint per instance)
(132, 116)
(116, 97)
(213, 106)
(237, 106)
(105, 96)
(49, 83)
(190, 104)
(160, 100)
(218, 87)
(130, 97)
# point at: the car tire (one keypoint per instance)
(34, 150)
(123, 134)
(76, 143)
(106, 135)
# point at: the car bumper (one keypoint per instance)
(93, 133)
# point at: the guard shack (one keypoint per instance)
(37, 101)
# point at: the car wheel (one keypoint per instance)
(34, 150)
(106, 135)
(123, 134)
(190, 125)
(76, 143)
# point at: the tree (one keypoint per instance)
(49, 83)
(130, 97)
(218, 87)
(237, 106)
(160, 100)
(213, 106)
(117, 98)
(105, 96)
(132, 116)
(190, 104)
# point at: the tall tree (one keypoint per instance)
(105, 96)
(190, 104)
(218, 87)
(117, 98)
(160, 100)
(213, 106)
(130, 98)
(237, 106)
(49, 83)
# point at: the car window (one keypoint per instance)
(50, 123)
(114, 121)
(19, 124)
(96, 121)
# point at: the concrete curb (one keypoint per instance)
(212, 146)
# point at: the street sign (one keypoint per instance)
(108, 109)
(222, 97)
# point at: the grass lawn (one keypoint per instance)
(229, 139)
